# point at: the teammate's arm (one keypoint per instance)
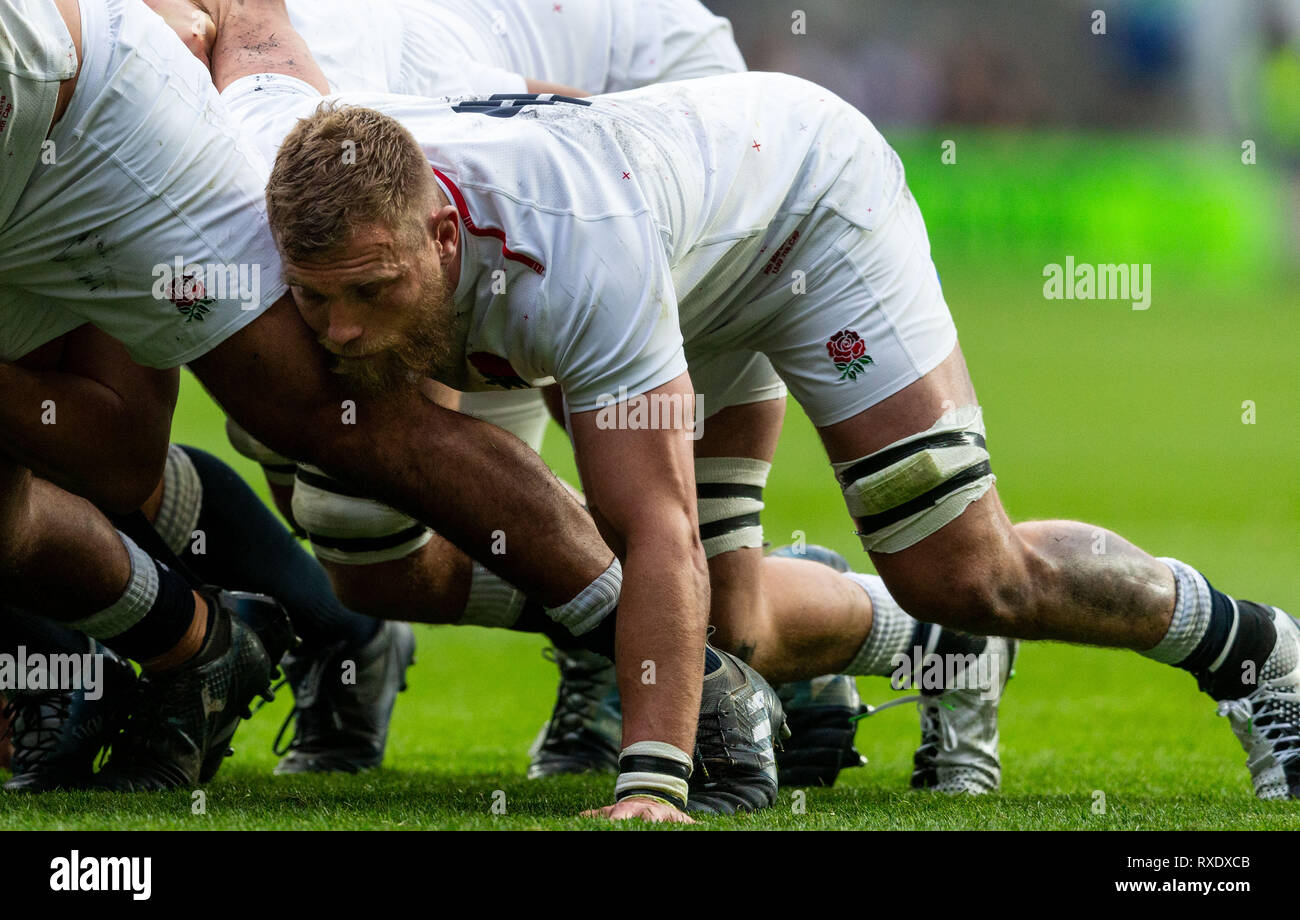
(559, 89)
(257, 36)
(640, 486)
(191, 23)
(86, 417)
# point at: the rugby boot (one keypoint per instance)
(57, 734)
(183, 719)
(821, 711)
(1267, 721)
(6, 728)
(741, 720)
(343, 702)
(585, 731)
(958, 753)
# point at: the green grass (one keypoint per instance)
(1132, 420)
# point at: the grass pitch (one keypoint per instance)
(1129, 419)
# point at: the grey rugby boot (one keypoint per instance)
(182, 721)
(585, 731)
(343, 700)
(57, 734)
(741, 721)
(1267, 721)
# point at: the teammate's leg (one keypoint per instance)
(916, 475)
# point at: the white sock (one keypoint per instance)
(1191, 615)
(136, 601)
(182, 500)
(492, 601)
(593, 603)
(891, 633)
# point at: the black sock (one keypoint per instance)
(600, 640)
(248, 549)
(947, 641)
(136, 526)
(162, 628)
(1240, 654)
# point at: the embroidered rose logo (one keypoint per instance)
(849, 353)
(190, 298)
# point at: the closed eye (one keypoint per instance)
(304, 295)
(372, 290)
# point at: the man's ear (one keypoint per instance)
(444, 228)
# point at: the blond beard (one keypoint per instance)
(423, 350)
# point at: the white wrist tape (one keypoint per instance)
(654, 768)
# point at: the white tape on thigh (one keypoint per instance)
(279, 469)
(350, 529)
(730, 496)
(905, 492)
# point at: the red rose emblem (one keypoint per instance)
(187, 291)
(849, 353)
(845, 346)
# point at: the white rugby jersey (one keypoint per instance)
(603, 235)
(470, 47)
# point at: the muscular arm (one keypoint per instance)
(257, 36)
(465, 478)
(83, 415)
(641, 487)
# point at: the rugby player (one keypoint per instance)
(642, 248)
(603, 47)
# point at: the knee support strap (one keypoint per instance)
(730, 495)
(346, 527)
(900, 495)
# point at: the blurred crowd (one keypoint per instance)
(1226, 66)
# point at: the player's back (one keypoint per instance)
(715, 171)
(729, 167)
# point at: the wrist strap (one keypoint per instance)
(656, 770)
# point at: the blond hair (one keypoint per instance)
(341, 167)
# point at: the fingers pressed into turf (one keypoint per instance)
(641, 809)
